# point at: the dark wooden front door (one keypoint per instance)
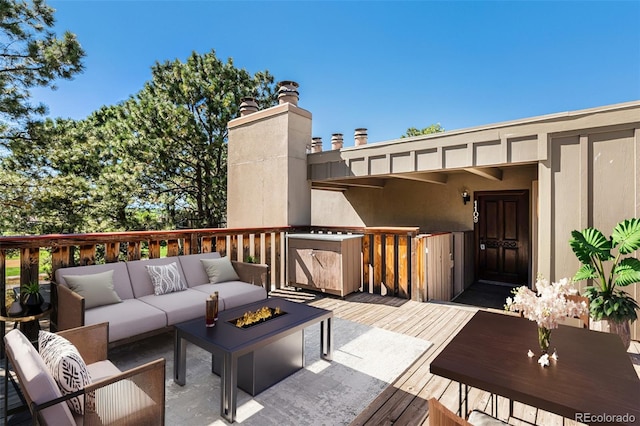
(502, 236)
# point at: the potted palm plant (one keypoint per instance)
(30, 297)
(611, 308)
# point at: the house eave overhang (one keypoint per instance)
(482, 150)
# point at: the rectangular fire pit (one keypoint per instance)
(256, 357)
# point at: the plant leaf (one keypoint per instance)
(626, 235)
(588, 243)
(586, 272)
(627, 272)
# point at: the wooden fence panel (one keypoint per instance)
(390, 264)
(277, 267)
(59, 258)
(377, 263)
(154, 249)
(111, 252)
(367, 276)
(133, 251)
(87, 254)
(29, 265)
(186, 246)
(221, 246)
(207, 244)
(173, 248)
(404, 267)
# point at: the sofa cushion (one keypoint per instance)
(140, 279)
(165, 278)
(101, 370)
(121, 283)
(219, 270)
(36, 380)
(127, 319)
(234, 293)
(180, 306)
(193, 270)
(97, 289)
(66, 366)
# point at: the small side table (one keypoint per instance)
(29, 321)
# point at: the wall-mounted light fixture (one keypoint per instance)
(465, 196)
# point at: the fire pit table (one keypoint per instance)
(253, 357)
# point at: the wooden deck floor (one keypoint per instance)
(404, 402)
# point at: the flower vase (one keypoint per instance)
(544, 337)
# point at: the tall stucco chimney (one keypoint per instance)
(360, 136)
(336, 141)
(316, 144)
(248, 106)
(288, 92)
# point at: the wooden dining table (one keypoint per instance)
(593, 380)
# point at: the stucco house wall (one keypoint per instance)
(582, 169)
(432, 207)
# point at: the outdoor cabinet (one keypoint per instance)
(328, 263)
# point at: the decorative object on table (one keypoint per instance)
(30, 297)
(211, 314)
(546, 307)
(611, 309)
(259, 316)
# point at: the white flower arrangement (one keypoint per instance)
(547, 306)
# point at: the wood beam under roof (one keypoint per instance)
(492, 173)
(434, 177)
(344, 184)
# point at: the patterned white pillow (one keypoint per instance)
(165, 278)
(67, 368)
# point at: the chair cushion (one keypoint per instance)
(194, 273)
(35, 379)
(180, 306)
(97, 289)
(140, 279)
(121, 282)
(479, 418)
(66, 366)
(219, 270)
(234, 293)
(102, 369)
(127, 319)
(166, 278)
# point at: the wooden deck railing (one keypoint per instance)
(391, 261)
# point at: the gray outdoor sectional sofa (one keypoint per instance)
(141, 312)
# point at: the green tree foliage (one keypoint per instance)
(412, 131)
(31, 55)
(156, 161)
(179, 120)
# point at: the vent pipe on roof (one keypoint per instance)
(248, 106)
(316, 144)
(360, 136)
(288, 92)
(336, 141)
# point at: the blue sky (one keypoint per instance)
(384, 65)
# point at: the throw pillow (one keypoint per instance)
(165, 278)
(219, 270)
(97, 289)
(67, 368)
